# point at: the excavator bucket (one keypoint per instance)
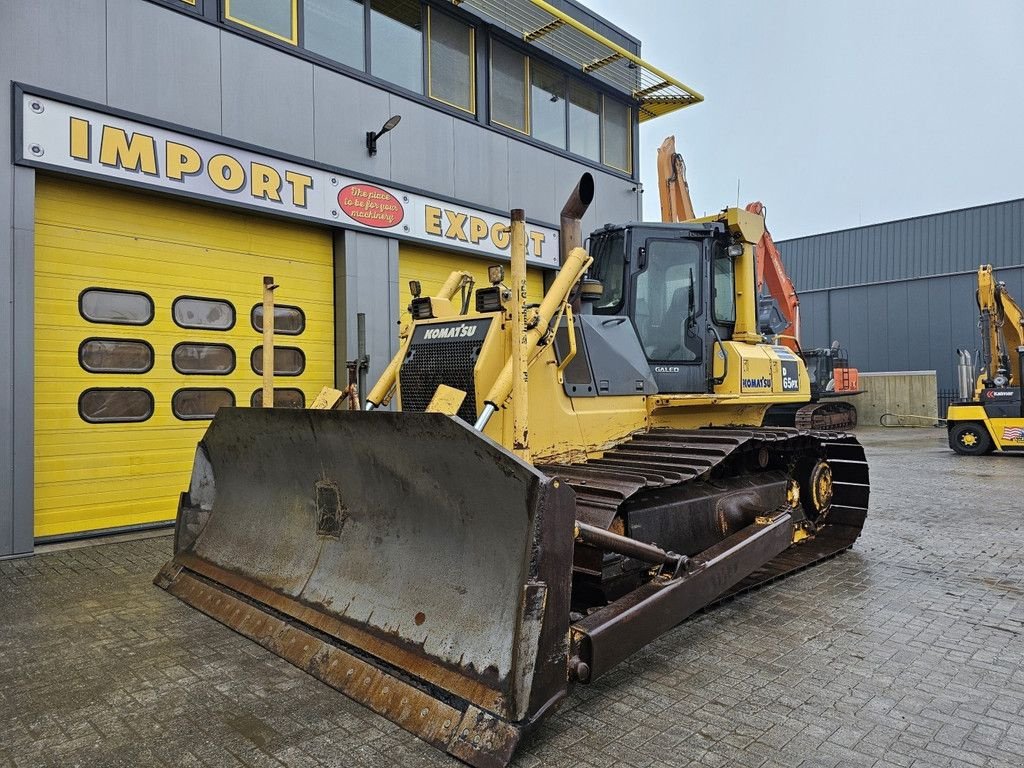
(402, 558)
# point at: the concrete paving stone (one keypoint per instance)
(906, 651)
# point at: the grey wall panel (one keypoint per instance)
(23, 394)
(894, 320)
(481, 166)
(371, 274)
(59, 45)
(814, 321)
(344, 109)
(422, 147)
(267, 96)
(531, 178)
(937, 244)
(940, 326)
(163, 64)
(6, 301)
(918, 352)
(854, 333)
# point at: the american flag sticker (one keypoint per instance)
(1013, 433)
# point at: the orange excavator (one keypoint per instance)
(778, 313)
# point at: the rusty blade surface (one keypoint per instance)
(408, 536)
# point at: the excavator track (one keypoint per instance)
(819, 416)
(661, 458)
(826, 416)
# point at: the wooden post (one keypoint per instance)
(520, 348)
(268, 341)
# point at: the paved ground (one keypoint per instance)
(907, 651)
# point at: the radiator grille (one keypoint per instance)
(429, 364)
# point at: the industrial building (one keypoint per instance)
(900, 295)
(168, 154)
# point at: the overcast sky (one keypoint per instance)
(841, 112)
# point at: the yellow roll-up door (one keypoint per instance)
(432, 267)
(144, 326)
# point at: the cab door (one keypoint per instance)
(669, 311)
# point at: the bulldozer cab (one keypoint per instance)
(676, 285)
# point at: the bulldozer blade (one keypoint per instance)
(402, 558)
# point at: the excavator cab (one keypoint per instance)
(675, 285)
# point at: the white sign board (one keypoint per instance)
(58, 135)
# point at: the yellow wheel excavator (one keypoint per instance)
(550, 488)
(989, 415)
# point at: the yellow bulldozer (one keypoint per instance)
(549, 488)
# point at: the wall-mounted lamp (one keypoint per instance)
(372, 136)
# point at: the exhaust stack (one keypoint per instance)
(965, 375)
(571, 235)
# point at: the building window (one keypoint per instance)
(288, 321)
(396, 42)
(195, 403)
(584, 121)
(277, 18)
(205, 314)
(115, 356)
(617, 135)
(451, 58)
(288, 361)
(547, 104)
(115, 405)
(203, 359)
(334, 30)
(283, 398)
(111, 305)
(510, 71)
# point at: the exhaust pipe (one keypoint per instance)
(571, 235)
(965, 375)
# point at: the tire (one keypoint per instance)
(970, 438)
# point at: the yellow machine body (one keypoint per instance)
(534, 490)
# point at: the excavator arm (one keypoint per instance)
(1002, 331)
(673, 190)
(771, 272)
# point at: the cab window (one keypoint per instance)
(668, 300)
(724, 286)
(609, 252)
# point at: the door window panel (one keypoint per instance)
(204, 314)
(584, 121)
(667, 294)
(334, 29)
(200, 403)
(115, 404)
(288, 321)
(210, 359)
(288, 361)
(547, 104)
(111, 305)
(115, 356)
(396, 42)
(283, 398)
(509, 94)
(451, 58)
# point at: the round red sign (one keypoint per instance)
(371, 206)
